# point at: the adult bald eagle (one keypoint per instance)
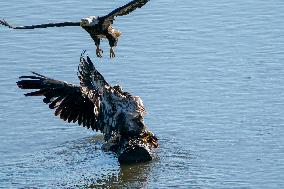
(97, 27)
(97, 105)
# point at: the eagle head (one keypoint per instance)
(89, 21)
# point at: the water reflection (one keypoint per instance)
(90, 167)
(116, 176)
(129, 176)
(75, 164)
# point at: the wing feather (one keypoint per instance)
(69, 102)
(59, 24)
(121, 11)
(89, 77)
(85, 103)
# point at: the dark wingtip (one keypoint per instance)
(82, 54)
(38, 74)
(4, 23)
(85, 60)
(81, 62)
(90, 61)
(19, 84)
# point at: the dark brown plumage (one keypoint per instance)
(94, 103)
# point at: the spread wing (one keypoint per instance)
(121, 11)
(59, 24)
(90, 77)
(70, 102)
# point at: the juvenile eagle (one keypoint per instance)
(97, 27)
(95, 105)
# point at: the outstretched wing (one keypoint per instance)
(59, 24)
(90, 77)
(100, 91)
(121, 11)
(69, 102)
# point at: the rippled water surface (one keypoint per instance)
(210, 73)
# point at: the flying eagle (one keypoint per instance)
(96, 105)
(97, 27)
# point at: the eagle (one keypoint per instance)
(97, 26)
(97, 105)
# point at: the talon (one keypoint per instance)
(99, 52)
(111, 53)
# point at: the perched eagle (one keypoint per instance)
(95, 105)
(97, 27)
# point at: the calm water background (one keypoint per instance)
(210, 73)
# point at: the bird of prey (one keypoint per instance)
(95, 104)
(97, 26)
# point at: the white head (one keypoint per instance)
(89, 21)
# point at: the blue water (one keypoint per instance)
(210, 73)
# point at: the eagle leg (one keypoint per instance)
(99, 52)
(111, 52)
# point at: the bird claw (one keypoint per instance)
(111, 53)
(99, 52)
